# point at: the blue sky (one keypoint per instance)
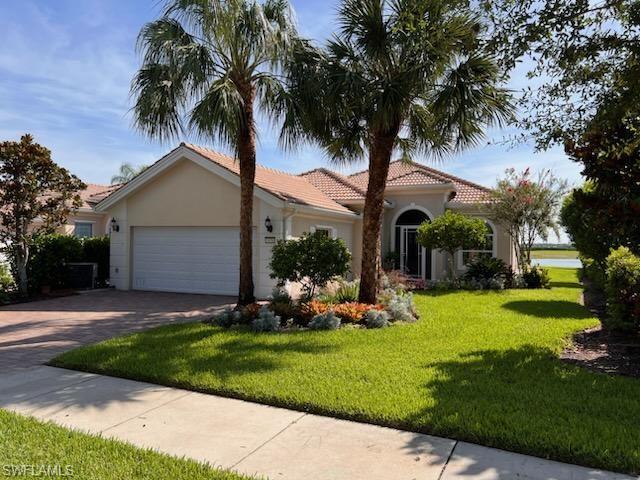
(65, 71)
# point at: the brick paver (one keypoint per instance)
(33, 333)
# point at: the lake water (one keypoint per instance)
(557, 262)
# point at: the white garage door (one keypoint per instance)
(186, 259)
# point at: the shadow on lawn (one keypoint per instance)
(525, 400)
(188, 351)
(549, 308)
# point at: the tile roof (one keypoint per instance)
(288, 187)
(335, 185)
(403, 173)
(95, 193)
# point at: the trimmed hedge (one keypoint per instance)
(52, 252)
(623, 290)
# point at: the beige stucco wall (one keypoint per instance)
(98, 220)
(187, 194)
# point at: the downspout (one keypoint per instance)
(290, 211)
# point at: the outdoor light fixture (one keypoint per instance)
(268, 225)
(114, 225)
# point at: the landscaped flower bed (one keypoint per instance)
(333, 308)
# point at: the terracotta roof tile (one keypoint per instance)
(94, 193)
(409, 173)
(288, 187)
(335, 185)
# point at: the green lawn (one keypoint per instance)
(478, 366)
(34, 444)
(554, 253)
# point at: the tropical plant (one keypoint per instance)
(377, 319)
(127, 172)
(266, 321)
(205, 66)
(351, 312)
(325, 321)
(36, 196)
(312, 260)
(623, 291)
(403, 76)
(451, 232)
(527, 208)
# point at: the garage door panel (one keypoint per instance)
(186, 259)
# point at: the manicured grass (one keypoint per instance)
(478, 366)
(554, 253)
(34, 445)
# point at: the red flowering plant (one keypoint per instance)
(527, 207)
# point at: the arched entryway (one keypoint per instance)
(415, 260)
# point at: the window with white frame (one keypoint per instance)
(83, 229)
(324, 230)
(488, 250)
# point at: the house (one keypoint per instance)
(86, 221)
(174, 227)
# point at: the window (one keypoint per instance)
(83, 229)
(465, 256)
(324, 230)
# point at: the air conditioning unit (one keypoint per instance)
(82, 275)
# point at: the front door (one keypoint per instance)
(412, 255)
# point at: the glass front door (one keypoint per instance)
(412, 255)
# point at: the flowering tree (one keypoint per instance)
(527, 208)
(36, 196)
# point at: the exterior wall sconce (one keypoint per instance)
(268, 225)
(114, 225)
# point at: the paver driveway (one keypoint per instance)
(33, 333)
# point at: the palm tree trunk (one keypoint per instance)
(379, 159)
(247, 158)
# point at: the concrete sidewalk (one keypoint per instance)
(258, 439)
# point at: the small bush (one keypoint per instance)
(280, 295)
(313, 260)
(283, 310)
(394, 280)
(266, 321)
(377, 319)
(310, 309)
(593, 272)
(325, 321)
(495, 283)
(351, 312)
(96, 250)
(400, 308)
(6, 279)
(536, 277)
(249, 312)
(49, 256)
(226, 318)
(486, 268)
(623, 290)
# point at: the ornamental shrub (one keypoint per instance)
(267, 321)
(312, 260)
(623, 290)
(226, 318)
(351, 312)
(312, 308)
(96, 250)
(451, 232)
(400, 307)
(49, 255)
(377, 319)
(536, 277)
(325, 321)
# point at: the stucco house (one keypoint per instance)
(174, 227)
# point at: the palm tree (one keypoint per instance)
(205, 64)
(403, 76)
(127, 172)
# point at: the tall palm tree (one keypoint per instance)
(403, 76)
(127, 172)
(206, 64)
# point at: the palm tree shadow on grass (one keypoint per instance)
(162, 355)
(561, 309)
(525, 400)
